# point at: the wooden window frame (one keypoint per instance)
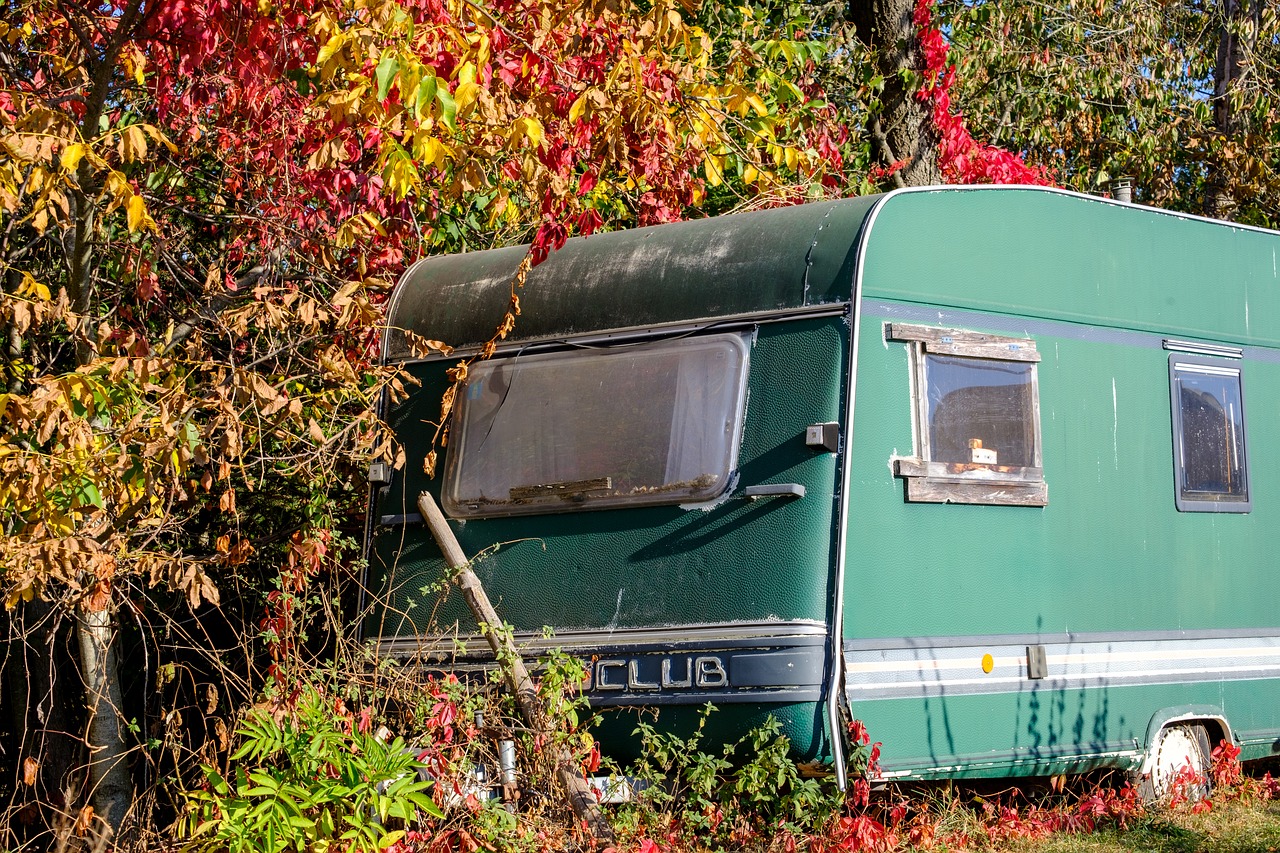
(928, 481)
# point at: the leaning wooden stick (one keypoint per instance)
(581, 797)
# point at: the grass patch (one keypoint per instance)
(1230, 827)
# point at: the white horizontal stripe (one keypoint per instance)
(913, 671)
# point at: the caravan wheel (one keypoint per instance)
(1178, 763)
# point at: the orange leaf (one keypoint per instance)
(30, 769)
(99, 597)
(83, 821)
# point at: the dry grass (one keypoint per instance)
(1230, 827)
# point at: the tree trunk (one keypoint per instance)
(1241, 20)
(110, 785)
(903, 130)
(581, 798)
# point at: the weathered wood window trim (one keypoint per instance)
(930, 481)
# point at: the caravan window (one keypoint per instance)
(656, 423)
(977, 417)
(1208, 436)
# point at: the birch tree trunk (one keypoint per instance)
(110, 785)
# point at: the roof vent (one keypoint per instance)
(1122, 190)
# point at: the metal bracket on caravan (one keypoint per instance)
(774, 490)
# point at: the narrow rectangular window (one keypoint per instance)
(1210, 464)
(977, 418)
(655, 423)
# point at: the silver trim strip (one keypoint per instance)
(762, 633)
(936, 671)
(973, 640)
(1106, 755)
(836, 692)
(1202, 349)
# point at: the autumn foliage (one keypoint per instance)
(203, 207)
(205, 203)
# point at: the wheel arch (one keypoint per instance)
(1213, 718)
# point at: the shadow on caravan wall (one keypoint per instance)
(971, 465)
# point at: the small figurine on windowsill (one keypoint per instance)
(980, 454)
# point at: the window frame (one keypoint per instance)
(1226, 504)
(929, 481)
(545, 499)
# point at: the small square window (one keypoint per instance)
(977, 418)
(1210, 465)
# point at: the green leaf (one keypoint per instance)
(385, 73)
(89, 495)
(448, 109)
(426, 96)
(425, 804)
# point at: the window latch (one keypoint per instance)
(773, 490)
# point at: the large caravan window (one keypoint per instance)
(977, 418)
(1208, 428)
(656, 423)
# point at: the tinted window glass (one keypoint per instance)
(655, 423)
(980, 403)
(1210, 446)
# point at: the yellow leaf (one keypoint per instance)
(154, 133)
(118, 186)
(429, 150)
(133, 144)
(374, 222)
(533, 130)
(579, 106)
(134, 62)
(758, 105)
(72, 154)
(465, 96)
(25, 593)
(34, 288)
(714, 168)
(749, 174)
(331, 47)
(401, 176)
(136, 212)
(138, 66)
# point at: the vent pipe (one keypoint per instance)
(1122, 190)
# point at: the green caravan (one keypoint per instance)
(987, 468)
